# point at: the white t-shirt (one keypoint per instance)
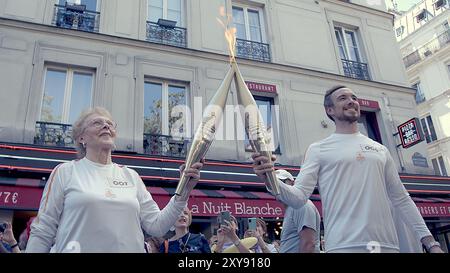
(90, 207)
(357, 178)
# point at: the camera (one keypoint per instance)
(3, 226)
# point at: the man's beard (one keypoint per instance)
(349, 119)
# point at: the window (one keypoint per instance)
(350, 54)
(423, 16)
(165, 9)
(91, 5)
(250, 33)
(399, 31)
(248, 24)
(67, 92)
(165, 109)
(428, 129)
(420, 96)
(267, 110)
(439, 166)
(440, 4)
(348, 44)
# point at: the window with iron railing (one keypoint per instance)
(67, 92)
(428, 49)
(165, 22)
(350, 54)
(166, 116)
(162, 33)
(250, 33)
(78, 15)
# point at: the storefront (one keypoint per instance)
(230, 186)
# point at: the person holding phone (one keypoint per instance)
(227, 234)
(257, 227)
(7, 236)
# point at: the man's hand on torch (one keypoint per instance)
(262, 165)
(193, 173)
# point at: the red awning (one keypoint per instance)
(208, 202)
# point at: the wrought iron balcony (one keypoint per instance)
(252, 50)
(53, 134)
(411, 59)
(355, 70)
(165, 145)
(76, 17)
(427, 49)
(174, 36)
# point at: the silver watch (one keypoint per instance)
(431, 245)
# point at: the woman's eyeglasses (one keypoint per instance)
(99, 123)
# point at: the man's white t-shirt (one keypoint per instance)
(90, 207)
(357, 178)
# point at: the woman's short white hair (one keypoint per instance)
(80, 125)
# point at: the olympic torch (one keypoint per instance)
(206, 130)
(254, 126)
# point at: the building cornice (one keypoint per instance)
(426, 105)
(116, 40)
(407, 39)
(362, 8)
(435, 144)
(439, 55)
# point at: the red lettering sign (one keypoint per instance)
(369, 104)
(20, 197)
(261, 87)
(434, 209)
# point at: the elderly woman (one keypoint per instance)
(94, 205)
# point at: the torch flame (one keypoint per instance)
(230, 32)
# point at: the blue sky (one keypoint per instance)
(403, 5)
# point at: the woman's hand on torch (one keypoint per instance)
(193, 173)
(262, 165)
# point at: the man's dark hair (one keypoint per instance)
(327, 102)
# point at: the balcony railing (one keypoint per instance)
(427, 49)
(411, 59)
(165, 145)
(355, 70)
(53, 134)
(175, 36)
(252, 50)
(76, 17)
